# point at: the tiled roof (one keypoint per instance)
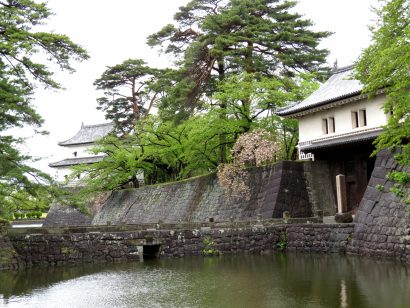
(339, 86)
(77, 161)
(89, 134)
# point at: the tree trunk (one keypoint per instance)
(249, 69)
(223, 115)
(135, 107)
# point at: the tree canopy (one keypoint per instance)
(385, 66)
(235, 62)
(213, 39)
(27, 57)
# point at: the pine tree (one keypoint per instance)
(237, 36)
(130, 91)
(19, 74)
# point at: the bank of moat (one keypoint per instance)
(78, 245)
(381, 228)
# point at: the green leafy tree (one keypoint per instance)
(385, 66)
(214, 40)
(264, 96)
(20, 71)
(161, 151)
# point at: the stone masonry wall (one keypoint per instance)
(61, 215)
(326, 238)
(55, 246)
(319, 187)
(382, 223)
(8, 255)
(274, 189)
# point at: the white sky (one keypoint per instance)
(113, 31)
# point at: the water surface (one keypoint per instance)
(292, 280)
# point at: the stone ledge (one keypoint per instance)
(54, 249)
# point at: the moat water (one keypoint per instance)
(292, 280)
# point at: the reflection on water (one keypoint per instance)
(292, 280)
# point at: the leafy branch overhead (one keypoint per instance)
(385, 65)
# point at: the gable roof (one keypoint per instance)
(340, 85)
(89, 134)
(77, 161)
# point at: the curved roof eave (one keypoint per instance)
(88, 134)
(339, 86)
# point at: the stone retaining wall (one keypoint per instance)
(9, 258)
(382, 223)
(319, 237)
(59, 246)
(301, 188)
(61, 215)
(273, 190)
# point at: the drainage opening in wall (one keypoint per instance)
(150, 251)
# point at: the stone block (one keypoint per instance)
(343, 218)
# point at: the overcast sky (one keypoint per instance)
(113, 31)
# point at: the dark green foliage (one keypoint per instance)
(19, 44)
(217, 38)
(21, 185)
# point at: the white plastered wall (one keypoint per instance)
(310, 126)
(61, 173)
(82, 150)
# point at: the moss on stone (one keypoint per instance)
(71, 251)
(7, 255)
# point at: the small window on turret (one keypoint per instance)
(332, 125)
(328, 126)
(325, 128)
(362, 117)
(355, 119)
(359, 118)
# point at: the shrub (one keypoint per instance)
(251, 149)
(209, 247)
